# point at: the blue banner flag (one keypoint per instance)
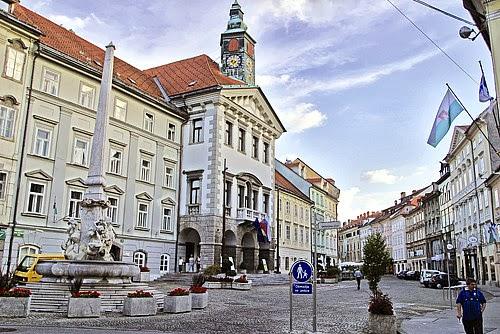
(484, 94)
(449, 109)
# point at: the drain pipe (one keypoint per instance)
(21, 160)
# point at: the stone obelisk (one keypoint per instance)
(96, 232)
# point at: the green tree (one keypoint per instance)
(376, 259)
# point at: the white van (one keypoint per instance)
(425, 276)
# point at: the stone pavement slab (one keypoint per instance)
(446, 322)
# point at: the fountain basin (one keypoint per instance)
(88, 270)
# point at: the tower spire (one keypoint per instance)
(237, 48)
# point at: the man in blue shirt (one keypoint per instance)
(470, 306)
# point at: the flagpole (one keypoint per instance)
(473, 120)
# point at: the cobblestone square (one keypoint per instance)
(264, 309)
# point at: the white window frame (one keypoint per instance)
(197, 199)
(115, 164)
(228, 133)
(50, 85)
(149, 121)
(27, 250)
(38, 198)
(3, 184)
(197, 131)
(86, 99)
(7, 121)
(140, 258)
(142, 215)
(120, 111)
(168, 178)
(164, 263)
(265, 152)
(113, 210)
(171, 130)
(42, 144)
(145, 173)
(74, 203)
(14, 63)
(84, 159)
(242, 134)
(255, 147)
(167, 219)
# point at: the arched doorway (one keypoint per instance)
(230, 245)
(116, 252)
(189, 246)
(248, 246)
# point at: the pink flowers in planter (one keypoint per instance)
(15, 292)
(86, 294)
(179, 292)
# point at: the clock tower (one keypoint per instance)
(238, 48)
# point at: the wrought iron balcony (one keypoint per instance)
(193, 209)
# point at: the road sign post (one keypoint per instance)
(301, 274)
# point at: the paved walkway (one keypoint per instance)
(446, 322)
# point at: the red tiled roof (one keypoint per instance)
(190, 75)
(74, 46)
(282, 182)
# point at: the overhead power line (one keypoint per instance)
(444, 12)
(434, 43)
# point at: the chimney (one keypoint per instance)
(403, 194)
(395, 202)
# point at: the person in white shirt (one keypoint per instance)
(358, 276)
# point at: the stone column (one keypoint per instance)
(59, 172)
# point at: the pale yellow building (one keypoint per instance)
(293, 219)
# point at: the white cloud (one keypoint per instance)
(304, 116)
(383, 176)
(353, 202)
(76, 23)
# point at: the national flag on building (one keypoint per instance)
(449, 109)
(484, 94)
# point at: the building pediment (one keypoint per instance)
(114, 189)
(38, 174)
(144, 196)
(255, 103)
(168, 201)
(456, 139)
(77, 182)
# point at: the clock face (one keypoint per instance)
(233, 61)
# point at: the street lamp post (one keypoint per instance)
(223, 250)
(278, 259)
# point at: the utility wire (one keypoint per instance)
(444, 12)
(434, 43)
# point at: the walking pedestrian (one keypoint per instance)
(358, 276)
(198, 264)
(181, 263)
(191, 263)
(470, 307)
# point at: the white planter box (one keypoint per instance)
(225, 285)
(212, 285)
(382, 323)
(18, 307)
(177, 304)
(134, 307)
(199, 300)
(242, 286)
(330, 280)
(84, 307)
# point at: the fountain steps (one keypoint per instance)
(53, 297)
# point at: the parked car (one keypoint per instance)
(25, 271)
(425, 276)
(401, 274)
(441, 280)
(412, 275)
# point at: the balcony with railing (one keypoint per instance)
(245, 214)
(193, 209)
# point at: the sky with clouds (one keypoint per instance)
(355, 84)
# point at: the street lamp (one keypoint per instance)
(465, 33)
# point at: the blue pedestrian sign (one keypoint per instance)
(302, 271)
(302, 289)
